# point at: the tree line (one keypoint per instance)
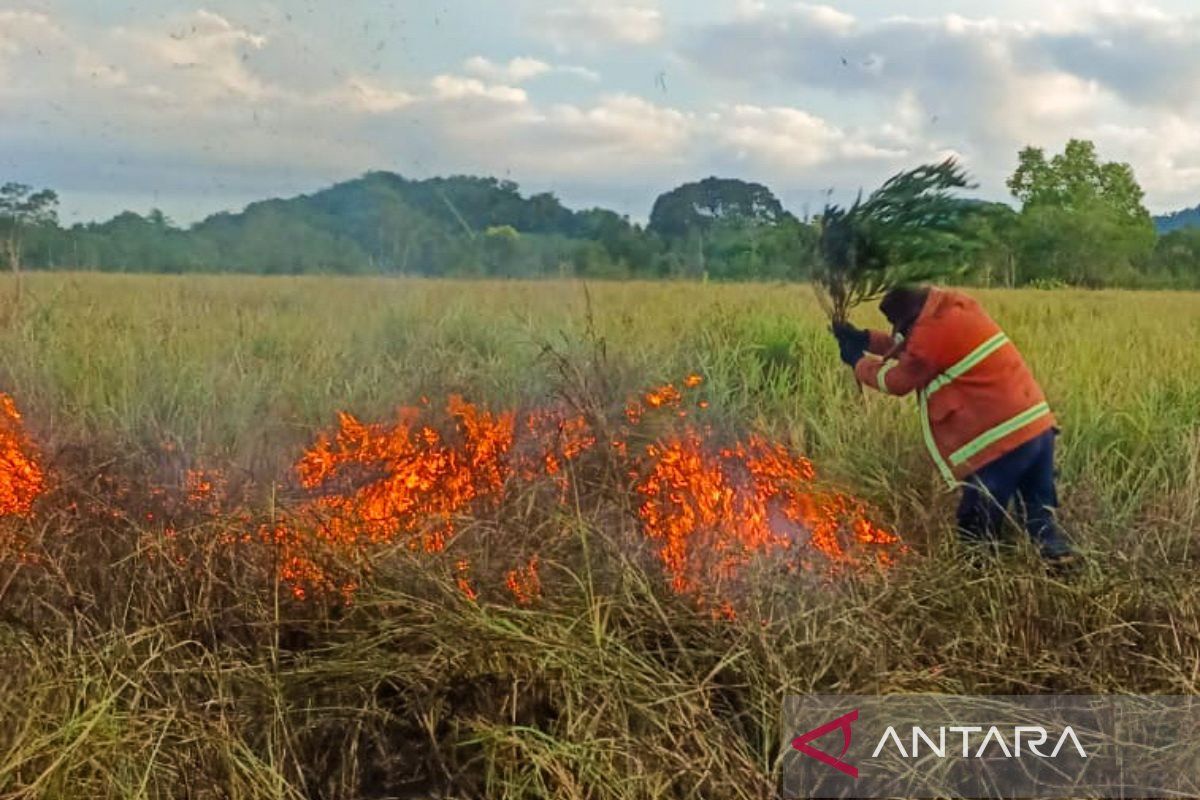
(1077, 221)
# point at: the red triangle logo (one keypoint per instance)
(844, 722)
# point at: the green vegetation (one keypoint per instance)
(910, 230)
(133, 664)
(23, 210)
(1080, 222)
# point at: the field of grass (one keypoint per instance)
(137, 661)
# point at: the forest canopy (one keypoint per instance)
(1076, 220)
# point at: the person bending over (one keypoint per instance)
(985, 420)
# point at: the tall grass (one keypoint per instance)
(132, 665)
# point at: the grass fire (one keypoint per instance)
(530, 401)
(21, 475)
(709, 508)
(341, 546)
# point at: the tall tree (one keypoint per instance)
(1076, 179)
(1082, 220)
(993, 227)
(21, 208)
(700, 206)
(1177, 256)
(690, 217)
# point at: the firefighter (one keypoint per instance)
(985, 419)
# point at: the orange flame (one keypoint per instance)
(462, 578)
(524, 582)
(711, 509)
(22, 479)
(411, 483)
(406, 480)
(205, 489)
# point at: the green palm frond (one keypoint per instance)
(909, 230)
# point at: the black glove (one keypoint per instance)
(852, 342)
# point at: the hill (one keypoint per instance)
(383, 223)
(1186, 218)
(468, 226)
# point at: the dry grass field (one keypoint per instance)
(161, 636)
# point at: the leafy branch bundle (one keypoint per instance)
(909, 230)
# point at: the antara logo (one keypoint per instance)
(844, 722)
(1032, 737)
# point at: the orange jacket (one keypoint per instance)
(977, 398)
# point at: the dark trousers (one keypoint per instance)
(1025, 475)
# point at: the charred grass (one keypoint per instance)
(139, 664)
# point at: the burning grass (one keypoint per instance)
(149, 649)
(710, 509)
(22, 479)
(22, 482)
(371, 498)
(413, 481)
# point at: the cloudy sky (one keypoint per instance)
(196, 107)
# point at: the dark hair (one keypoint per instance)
(903, 305)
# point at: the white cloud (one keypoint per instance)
(184, 90)
(749, 8)
(35, 51)
(1147, 57)
(193, 86)
(582, 72)
(206, 56)
(364, 94)
(592, 22)
(455, 87)
(522, 69)
(618, 132)
(827, 17)
(563, 141)
(801, 99)
(980, 86)
(949, 65)
(792, 140)
(518, 70)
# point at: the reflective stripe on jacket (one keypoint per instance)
(977, 397)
